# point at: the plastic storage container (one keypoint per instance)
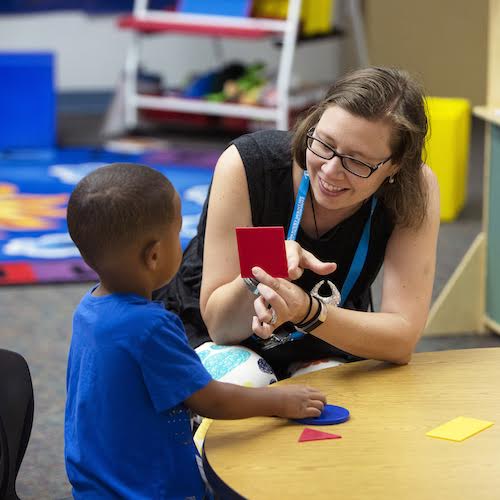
(315, 16)
(447, 151)
(27, 101)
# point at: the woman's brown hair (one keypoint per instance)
(382, 94)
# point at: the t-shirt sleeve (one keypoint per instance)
(171, 369)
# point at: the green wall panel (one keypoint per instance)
(493, 257)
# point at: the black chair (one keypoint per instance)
(16, 419)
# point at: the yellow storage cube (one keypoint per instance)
(447, 151)
(270, 8)
(316, 15)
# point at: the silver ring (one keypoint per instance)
(274, 317)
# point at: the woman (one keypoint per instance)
(354, 164)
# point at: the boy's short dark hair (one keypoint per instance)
(115, 205)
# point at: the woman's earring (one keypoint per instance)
(391, 179)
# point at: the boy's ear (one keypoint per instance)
(151, 255)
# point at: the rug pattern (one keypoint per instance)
(35, 186)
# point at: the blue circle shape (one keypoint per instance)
(330, 415)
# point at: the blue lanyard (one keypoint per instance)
(359, 257)
(361, 252)
(298, 209)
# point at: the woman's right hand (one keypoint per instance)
(298, 401)
(286, 299)
(299, 259)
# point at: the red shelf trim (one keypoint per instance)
(136, 24)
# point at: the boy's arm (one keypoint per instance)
(220, 400)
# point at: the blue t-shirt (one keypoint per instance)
(127, 433)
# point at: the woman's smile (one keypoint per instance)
(330, 189)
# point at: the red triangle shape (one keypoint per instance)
(314, 435)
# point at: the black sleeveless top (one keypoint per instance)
(267, 159)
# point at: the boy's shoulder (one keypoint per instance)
(165, 318)
(127, 312)
(140, 329)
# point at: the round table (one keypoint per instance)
(384, 452)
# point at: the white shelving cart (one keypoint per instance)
(144, 21)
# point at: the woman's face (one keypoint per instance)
(333, 186)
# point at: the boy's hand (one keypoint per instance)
(222, 400)
(299, 401)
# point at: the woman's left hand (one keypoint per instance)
(288, 301)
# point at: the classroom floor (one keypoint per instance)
(36, 320)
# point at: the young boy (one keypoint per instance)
(132, 375)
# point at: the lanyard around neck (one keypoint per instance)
(361, 251)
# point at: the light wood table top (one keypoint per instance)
(384, 452)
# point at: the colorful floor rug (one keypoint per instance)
(35, 246)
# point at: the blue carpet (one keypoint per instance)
(35, 246)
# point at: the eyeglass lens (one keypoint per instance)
(327, 153)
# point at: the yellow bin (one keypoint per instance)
(316, 15)
(447, 151)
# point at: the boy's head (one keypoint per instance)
(127, 213)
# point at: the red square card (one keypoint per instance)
(263, 247)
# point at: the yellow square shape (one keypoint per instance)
(459, 428)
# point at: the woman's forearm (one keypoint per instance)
(228, 313)
(384, 336)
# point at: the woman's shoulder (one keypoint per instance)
(430, 179)
(431, 186)
(269, 147)
(265, 137)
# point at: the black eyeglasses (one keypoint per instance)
(353, 165)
